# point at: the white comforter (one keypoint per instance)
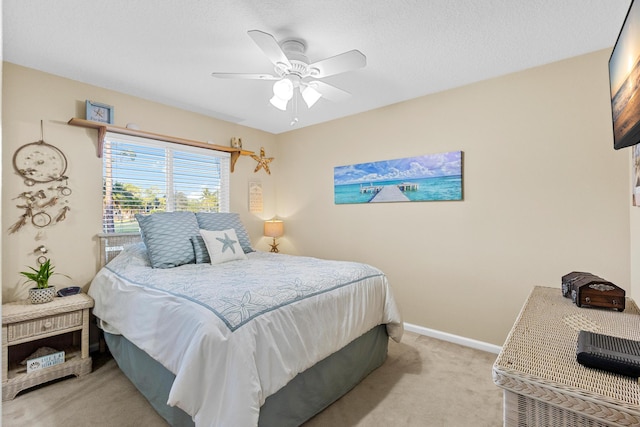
(237, 332)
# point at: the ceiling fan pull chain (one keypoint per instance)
(294, 110)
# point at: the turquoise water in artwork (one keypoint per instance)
(429, 189)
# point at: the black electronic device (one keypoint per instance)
(624, 71)
(72, 290)
(609, 353)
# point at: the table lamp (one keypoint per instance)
(274, 228)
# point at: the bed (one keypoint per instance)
(262, 339)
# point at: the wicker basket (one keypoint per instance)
(42, 295)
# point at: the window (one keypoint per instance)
(142, 175)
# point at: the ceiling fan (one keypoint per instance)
(292, 71)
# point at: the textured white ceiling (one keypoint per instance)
(165, 51)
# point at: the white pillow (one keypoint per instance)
(222, 245)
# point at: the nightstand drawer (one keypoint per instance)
(35, 327)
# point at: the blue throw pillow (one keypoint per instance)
(200, 249)
(167, 236)
(218, 221)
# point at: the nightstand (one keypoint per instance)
(27, 326)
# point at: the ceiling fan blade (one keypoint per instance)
(329, 92)
(344, 62)
(245, 76)
(270, 47)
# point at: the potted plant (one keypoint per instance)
(43, 292)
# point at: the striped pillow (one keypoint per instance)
(200, 250)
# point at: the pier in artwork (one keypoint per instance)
(405, 186)
(389, 193)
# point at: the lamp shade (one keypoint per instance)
(282, 93)
(273, 228)
(279, 103)
(310, 96)
(283, 89)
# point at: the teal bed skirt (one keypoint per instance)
(303, 397)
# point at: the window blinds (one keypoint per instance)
(142, 175)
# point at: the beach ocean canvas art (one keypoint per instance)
(413, 179)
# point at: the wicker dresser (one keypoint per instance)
(27, 324)
(543, 383)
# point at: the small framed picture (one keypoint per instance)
(98, 112)
(236, 142)
(255, 197)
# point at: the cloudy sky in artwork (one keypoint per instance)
(420, 167)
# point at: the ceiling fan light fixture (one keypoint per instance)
(310, 96)
(292, 68)
(279, 103)
(283, 89)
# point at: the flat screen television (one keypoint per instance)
(624, 81)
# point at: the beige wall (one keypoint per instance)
(30, 96)
(634, 216)
(544, 194)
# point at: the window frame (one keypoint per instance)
(170, 148)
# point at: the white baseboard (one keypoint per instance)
(444, 336)
(456, 339)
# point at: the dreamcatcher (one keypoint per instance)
(41, 163)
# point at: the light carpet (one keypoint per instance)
(424, 382)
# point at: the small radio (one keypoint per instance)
(72, 290)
